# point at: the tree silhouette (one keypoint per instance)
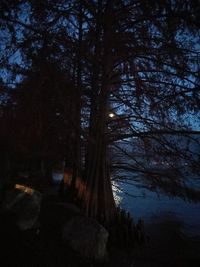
(136, 59)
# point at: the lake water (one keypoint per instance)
(149, 206)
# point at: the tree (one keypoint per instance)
(141, 67)
(137, 59)
(41, 67)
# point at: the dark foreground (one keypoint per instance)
(166, 246)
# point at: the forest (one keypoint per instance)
(110, 88)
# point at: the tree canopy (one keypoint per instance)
(68, 65)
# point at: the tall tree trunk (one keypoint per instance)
(77, 138)
(98, 198)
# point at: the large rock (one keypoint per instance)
(25, 203)
(54, 215)
(86, 237)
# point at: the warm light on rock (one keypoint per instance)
(25, 189)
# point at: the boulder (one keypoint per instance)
(86, 237)
(54, 215)
(24, 202)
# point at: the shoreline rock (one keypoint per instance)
(24, 202)
(86, 237)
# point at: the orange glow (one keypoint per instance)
(24, 188)
(67, 177)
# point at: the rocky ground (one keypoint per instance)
(41, 246)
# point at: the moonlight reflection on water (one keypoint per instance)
(146, 204)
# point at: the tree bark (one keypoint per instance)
(77, 110)
(98, 198)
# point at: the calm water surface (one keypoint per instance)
(148, 205)
(151, 207)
